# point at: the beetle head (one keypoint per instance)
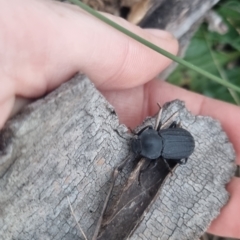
(148, 144)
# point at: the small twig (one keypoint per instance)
(70, 205)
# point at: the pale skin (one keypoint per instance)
(44, 43)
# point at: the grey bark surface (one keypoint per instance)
(64, 145)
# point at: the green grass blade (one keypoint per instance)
(154, 47)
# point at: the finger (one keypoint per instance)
(61, 40)
(68, 40)
(76, 42)
(228, 224)
(130, 104)
(119, 62)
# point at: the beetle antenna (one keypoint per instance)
(168, 120)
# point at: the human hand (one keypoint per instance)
(44, 43)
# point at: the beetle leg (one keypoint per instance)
(165, 161)
(179, 125)
(183, 161)
(175, 125)
(114, 177)
(161, 126)
(145, 128)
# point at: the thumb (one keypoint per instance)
(115, 61)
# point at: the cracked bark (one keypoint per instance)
(65, 145)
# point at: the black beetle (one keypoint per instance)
(152, 143)
(172, 143)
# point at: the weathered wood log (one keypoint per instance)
(64, 145)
